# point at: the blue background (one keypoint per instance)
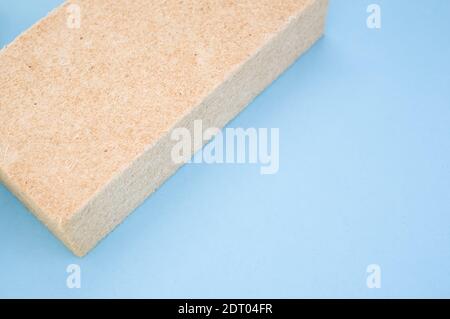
(364, 178)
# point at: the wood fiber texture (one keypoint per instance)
(86, 113)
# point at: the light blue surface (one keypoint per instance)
(364, 178)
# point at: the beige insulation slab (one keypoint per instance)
(87, 106)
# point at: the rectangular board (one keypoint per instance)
(89, 97)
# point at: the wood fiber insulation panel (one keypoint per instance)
(87, 105)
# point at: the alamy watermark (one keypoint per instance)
(373, 279)
(374, 19)
(234, 146)
(73, 281)
(73, 20)
(7, 155)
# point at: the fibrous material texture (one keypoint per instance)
(90, 94)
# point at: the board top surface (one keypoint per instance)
(77, 105)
